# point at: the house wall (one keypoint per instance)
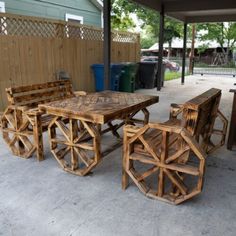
(56, 9)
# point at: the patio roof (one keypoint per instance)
(187, 11)
(192, 11)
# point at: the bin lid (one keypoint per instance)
(148, 62)
(97, 65)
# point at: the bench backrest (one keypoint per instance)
(199, 113)
(32, 95)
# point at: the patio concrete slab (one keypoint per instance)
(41, 199)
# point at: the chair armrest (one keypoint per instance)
(34, 112)
(21, 108)
(80, 93)
(132, 134)
(131, 130)
(175, 110)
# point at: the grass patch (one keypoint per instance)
(170, 75)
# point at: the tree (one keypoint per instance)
(121, 20)
(222, 33)
(172, 30)
(120, 15)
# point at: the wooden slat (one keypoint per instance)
(83, 156)
(202, 99)
(86, 146)
(21, 89)
(143, 159)
(101, 107)
(177, 154)
(40, 93)
(34, 49)
(148, 173)
(32, 94)
(63, 129)
(41, 99)
(176, 181)
(183, 168)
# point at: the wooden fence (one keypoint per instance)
(33, 50)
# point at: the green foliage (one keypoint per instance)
(223, 33)
(202, 48)
(170, 75)
(147, 42)
(200, 64)
(120, 17)
(150, 18)
(121, 20)
(172, 30)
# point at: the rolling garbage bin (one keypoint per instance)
(127, 79)
(116, 71)
(147, 75)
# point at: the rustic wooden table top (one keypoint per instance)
(100, 107)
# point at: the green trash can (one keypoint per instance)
(127, 79)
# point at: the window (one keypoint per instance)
(2, 6)
(73, 31)
(74, 18)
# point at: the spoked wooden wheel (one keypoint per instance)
(17, 132)
(160, 164)
(77, 149)
(214, 139)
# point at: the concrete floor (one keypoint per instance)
(41, 199)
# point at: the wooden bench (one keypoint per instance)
(23, 123)
(167, 160)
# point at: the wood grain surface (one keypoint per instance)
(100, 107)
(166, 161)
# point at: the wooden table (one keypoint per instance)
(232, 126)
(75, 132)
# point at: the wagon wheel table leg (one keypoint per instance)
(76, 150)
(17, 132)
(36, 123)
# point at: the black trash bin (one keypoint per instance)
(146, 77)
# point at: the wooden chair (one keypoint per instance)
(22, 122)
(167, 160)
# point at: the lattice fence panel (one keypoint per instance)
(25, 27)
(16, 25)
(124, 37)
(89, 34)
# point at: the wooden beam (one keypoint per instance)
(184, 53)
(200, 5)
(160, 51)
(154, 5)
(107, 41)
(211, 18)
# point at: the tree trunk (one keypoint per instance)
(191, 57)
(227, 56)
(169, 50)
(225, 53)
